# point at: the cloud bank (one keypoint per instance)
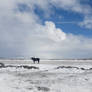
(23, 34)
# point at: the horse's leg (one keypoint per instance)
(38, 61)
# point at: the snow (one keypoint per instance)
(47, 78)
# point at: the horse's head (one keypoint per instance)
(32, 58)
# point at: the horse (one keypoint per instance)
(35, 59)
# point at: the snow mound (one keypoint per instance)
(45, 78)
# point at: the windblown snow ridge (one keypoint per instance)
(72, 67)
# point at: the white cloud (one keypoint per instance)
(54, 33)
(21, 33)
(87, 22)
(72, 47)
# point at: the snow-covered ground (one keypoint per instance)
(63, 77)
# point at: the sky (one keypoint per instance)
(50, 29)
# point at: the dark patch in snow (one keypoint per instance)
(16, 87)
(72, 67)
(60, 67)
(29, 88)
(82, 68)
(2, 65)
(86, 79)
(90, 69)
(30, 67)
(22, 66)
(43, 88)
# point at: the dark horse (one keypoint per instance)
(35, 59)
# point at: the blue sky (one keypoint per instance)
(46, 28)
(67, 20)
